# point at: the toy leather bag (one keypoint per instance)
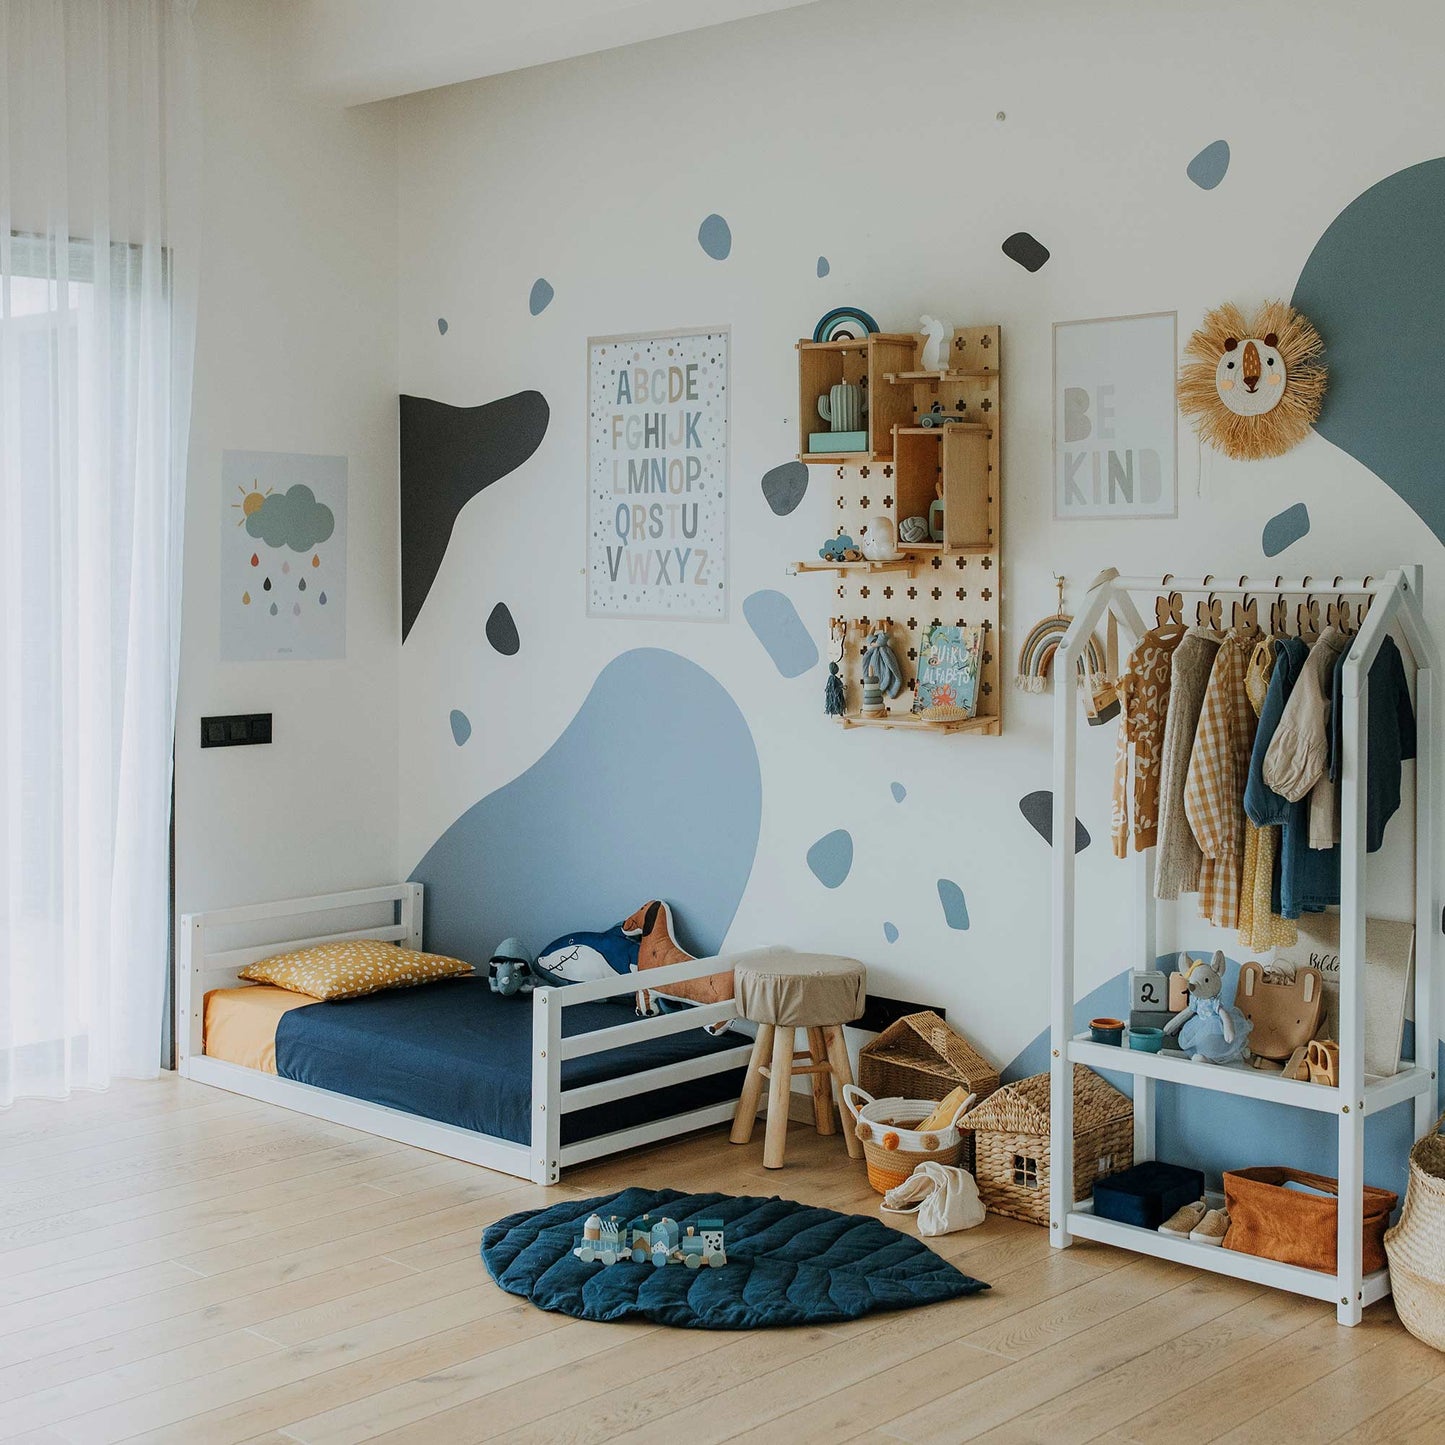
(1298, 1227)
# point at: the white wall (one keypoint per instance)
(808, 131)
(295, 351)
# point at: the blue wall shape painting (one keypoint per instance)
(1372, 287)
(653, 790)
(715, 237)
(461, 726)
(831, 858)
(1207, 169)
(1215, 1132)
(776, 624)
(1284, 529)
(447, 454)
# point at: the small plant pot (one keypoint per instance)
(1146, 1040)
(1107, 1031)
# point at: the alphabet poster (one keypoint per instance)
(1115, 419)
(283, 557)
(657, 484)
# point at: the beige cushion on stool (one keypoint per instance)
(798, 990)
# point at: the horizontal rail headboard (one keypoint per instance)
(216, 945)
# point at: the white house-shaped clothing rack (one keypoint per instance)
(1394, 599)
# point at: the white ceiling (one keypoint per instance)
(353, 51)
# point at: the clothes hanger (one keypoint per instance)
(1340, 614)
(1307, 617)
(1279, 614)
(1244, 616)
(1169, 608)
(1363, 609)
(1210, 612)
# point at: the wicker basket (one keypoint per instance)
(1012, 1154)
(891, 1142)
(920, 1057)
(1416, 1245)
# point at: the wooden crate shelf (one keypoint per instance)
(934, 377)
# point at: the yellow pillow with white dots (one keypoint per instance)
(352, 969)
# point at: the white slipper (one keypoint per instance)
(1184, 1219)
(1211, 1229)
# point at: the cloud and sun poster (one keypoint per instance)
(283, 557)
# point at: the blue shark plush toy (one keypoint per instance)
(579, 957)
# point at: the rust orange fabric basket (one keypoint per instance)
(1269, 1220)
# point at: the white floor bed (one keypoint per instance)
(216, 945)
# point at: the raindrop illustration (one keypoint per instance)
(273, 609)
(315, 559)
(322, 599)
(266, 587)
(285, 568)
(301, 585)
(296, 609)
(245, 599)
(255, 560)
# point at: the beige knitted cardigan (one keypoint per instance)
(1178, 858)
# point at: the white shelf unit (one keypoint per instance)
(1394, 601)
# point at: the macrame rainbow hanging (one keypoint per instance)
(1037, 653)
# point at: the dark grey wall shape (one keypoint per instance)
(447, 455)
(1372, 286)
(502, 630)
(1038, 808)
(785, 486)
(1028, 252)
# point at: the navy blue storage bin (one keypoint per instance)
(1147, 1194)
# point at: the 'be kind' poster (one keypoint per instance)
(658, 476)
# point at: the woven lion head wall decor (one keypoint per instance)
(1253, 386)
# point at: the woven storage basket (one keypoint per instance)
(1416, 1245)
(891, 1147)
(1013, 1160)
(920, 1057)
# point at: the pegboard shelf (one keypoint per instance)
(955, 582)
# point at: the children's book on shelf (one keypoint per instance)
(948, 659)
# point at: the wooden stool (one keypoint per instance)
(783, 992)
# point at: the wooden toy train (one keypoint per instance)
(656, 1242)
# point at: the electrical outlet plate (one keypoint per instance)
(239, 730)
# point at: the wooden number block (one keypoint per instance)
(1149, 990)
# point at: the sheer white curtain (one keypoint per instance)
(98, 193)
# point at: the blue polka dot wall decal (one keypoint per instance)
(890, 932)
(715, 237)
(1038, 808)
(541, 297)
(776, 624)
(831, 857)
(461, 726)
(442, 325)
(955, 909)
(785, 486)
(502, 631)
(899, 791)
(1207, 169)
(823, 267)
(1023, 248)
(1285, 528)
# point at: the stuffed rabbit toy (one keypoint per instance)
(1209, 1030)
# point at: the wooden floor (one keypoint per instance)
(181, 1265)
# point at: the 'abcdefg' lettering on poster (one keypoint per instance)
(657, 476)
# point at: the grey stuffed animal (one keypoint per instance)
(1209, 1030)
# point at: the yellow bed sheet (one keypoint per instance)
(240, 1023)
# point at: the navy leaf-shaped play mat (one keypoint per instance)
(787, 1264)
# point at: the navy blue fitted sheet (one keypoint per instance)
(457, 1052)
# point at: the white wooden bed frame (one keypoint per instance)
(264, 929)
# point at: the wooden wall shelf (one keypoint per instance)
(909, 722)
(956, 581)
